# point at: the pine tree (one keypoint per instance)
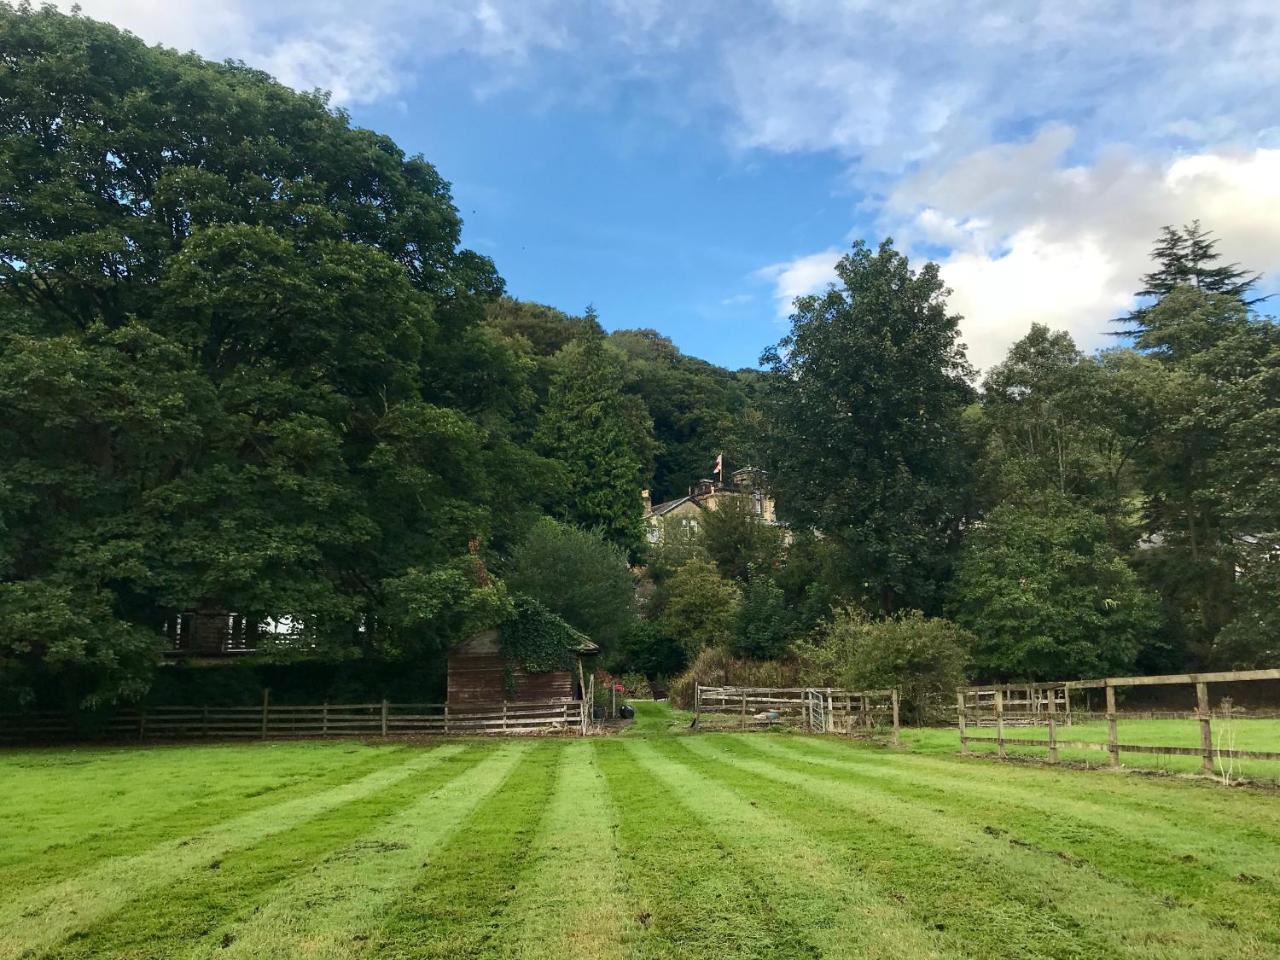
(590, 426)
(1187, 258)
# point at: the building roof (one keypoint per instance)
(660, 509)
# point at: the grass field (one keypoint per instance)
(650, 844)
(1240, 734)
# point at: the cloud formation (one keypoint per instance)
(1033, 239)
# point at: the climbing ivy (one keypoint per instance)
(537, 640)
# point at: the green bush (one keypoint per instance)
(715, 666)
(924, 657)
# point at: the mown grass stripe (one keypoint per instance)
(458, 903)
(573, 902)
(230, 890)
(335, 909)
(1056, 811)
(846, 916)
(53, 829)
(692, 899)
(36, 920)
(1056, 911)
(1251, 814)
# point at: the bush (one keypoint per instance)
(1048, 596)
(579, 576)
(715, 666)
(924, 657)
(700, 606)
(764, 626)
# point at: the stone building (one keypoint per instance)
(686, 512)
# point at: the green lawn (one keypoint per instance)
(651, 844)
(1244, 734)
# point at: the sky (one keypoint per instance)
(693, 166)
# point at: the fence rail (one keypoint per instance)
(816, 709)
(1049, 703)
(287, 720)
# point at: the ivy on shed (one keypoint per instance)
(537, 641)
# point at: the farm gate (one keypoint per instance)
(814, 709)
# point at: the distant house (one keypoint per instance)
(686, 512)
(478, 674)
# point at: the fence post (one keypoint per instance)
(893, 699)
(1206, 729)
(384, 716)
(1000, 724)
(1113, 736)
(142, 723)
(1053, 725)
(964, 734)
(266, 701)
(446, 719)
(1066, 703)
(504, 716)
(204, 721)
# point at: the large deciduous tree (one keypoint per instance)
(862, 420)
(241, 364)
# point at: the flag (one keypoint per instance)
(718, 470)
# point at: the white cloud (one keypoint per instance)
(1033, 239)
(360, 51)
(803, 275)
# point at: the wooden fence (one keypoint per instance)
(816, 709)
(1043, 706)
(286, 721)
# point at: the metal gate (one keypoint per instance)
(816, 712)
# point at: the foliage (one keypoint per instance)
(242, 363)
(737, 541)
(591, 428)
(764, 625)
(1048, 597)
(862, 416)
(648, 649)
(716, 666)
(696, 408)
(579, 576)
(924, 657)
(700, 607)
(678, 543)
(536, 639)
(1186, 257)
(1252, 639)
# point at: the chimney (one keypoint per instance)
(647, 501)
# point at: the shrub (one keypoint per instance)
(764, 625)
(924, 657)
(579, 576)
(715, 666)
(699, 607)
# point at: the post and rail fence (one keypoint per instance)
(1050, 705)
(272, 720)
(815, 709)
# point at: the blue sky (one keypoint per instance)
(691, 166)
(665, 228)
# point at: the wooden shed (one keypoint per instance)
(478, 674)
